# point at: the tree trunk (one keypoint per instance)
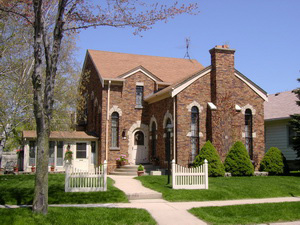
(40, 202)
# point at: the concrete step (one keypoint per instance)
(131, 170)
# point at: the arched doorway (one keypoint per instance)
(139, 149)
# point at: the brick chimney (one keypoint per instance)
(222, 63)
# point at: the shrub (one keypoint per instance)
(215, 166)
(274, 162)
(238, 162)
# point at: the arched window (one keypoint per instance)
(139, 138)
(248, 132)
(153, 135)
(194, 132)
(168, 141)
(115, 129)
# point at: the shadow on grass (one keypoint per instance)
(19, 190)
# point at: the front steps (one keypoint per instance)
(131, 170)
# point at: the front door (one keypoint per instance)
(140, 150)
(81, 156)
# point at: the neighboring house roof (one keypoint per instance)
(171, 70)
(61, 135)
(281, 106)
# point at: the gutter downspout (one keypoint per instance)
(107, 121)
(174, 128)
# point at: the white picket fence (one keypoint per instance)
(190, 178)
(77, 180)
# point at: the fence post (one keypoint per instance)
(67, 176)
(206, 173)
(173, 173)
(105, 175)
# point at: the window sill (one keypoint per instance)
(139, 107)
(114, 148)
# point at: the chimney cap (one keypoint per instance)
(222, 46)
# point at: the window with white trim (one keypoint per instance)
(115, 129)
(194, 132)
(248, 132)
(139, 96)
(32, 150)
(59, 153)
(80, 150)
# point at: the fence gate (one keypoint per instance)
(77, 180)
(190, 178)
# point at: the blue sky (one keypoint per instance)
(265, 34)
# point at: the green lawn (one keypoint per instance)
(249, 214)
(19, 189)
(76, 216)
(225, 188)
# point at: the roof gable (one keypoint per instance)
(113, 65)
(143, 70)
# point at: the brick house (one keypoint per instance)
(154, 108)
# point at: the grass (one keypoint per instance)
(226, 188)
(249, 214)
(19, 190)
(76, 216)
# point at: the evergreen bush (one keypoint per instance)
(215, 166)
(238, 162)
(274, 162)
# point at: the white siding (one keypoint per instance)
(277, 136)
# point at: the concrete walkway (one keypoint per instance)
(133, 188)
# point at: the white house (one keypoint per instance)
(83, 146)
(277, 131)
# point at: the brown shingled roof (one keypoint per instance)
(281, 105)
(61, 135)
(112, 65)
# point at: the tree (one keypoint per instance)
(51, 20)
(215, 166)
(295, 124)
(274, 162)
(238, 162)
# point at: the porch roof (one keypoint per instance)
(76, 135)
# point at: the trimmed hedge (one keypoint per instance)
(215, 166)
(274, 162)
(238, 162)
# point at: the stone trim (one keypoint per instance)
(194, 103)
(244, 135)
(153, 119)
(167, 116)
(212, 106)
(115, 108)
(189, 134)
(237, 108)
(139, 84)
(248, 106)
(137, 126)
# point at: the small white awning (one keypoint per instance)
(212, 106)
(238, 108)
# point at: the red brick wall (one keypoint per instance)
(124, 96)
(223, 126)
